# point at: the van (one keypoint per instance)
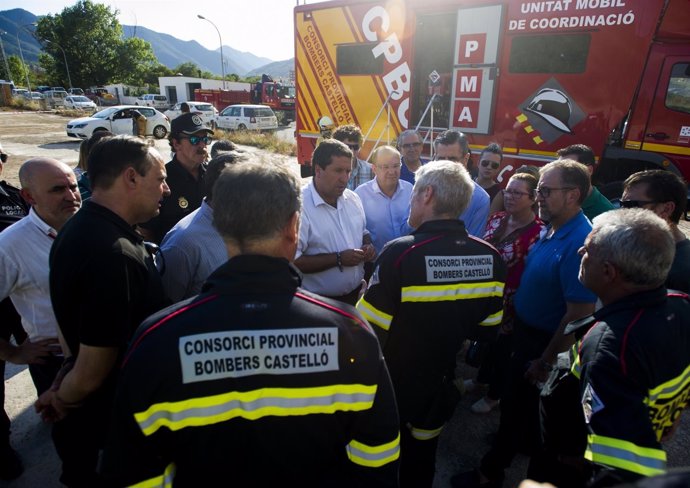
(153, 100)
(247, 117)
(55, 98)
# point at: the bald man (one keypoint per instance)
(50, 188)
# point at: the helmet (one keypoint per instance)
(325, 123)
(553, 106)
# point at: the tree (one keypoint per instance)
(18, 70)
(187, 69)
(92, 41)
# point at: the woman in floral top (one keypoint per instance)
(512, 232)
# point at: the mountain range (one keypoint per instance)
(17, 24)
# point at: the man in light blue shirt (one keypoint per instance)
(452, 146)
(193, 248)
(386, 198)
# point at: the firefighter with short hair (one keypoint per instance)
(255, 382)
(430, 291)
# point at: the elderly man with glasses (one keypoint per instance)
(189, 139)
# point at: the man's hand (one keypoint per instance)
(33, 352)
(352, 257)
(537, 373)
(49, 407)
(369, 252)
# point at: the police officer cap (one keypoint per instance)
(188, 124)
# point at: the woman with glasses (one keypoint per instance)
(513, 232)
(489, 164)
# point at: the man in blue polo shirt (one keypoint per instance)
(452, 145)
(549, 297)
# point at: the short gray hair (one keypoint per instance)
(452, 185)
(637, 242)
(406, 133)
(253, 201)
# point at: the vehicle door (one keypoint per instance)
(121, 122)
(151, 119)
(668, 126)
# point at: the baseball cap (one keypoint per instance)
(188, 124)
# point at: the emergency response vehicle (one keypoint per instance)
(534, 76)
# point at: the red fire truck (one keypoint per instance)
(278, 96)
(534, 76)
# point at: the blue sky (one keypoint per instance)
(262, 27)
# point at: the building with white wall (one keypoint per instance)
(181, 88)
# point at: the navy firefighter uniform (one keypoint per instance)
(255, 382)
(430, 291)
(634, 370)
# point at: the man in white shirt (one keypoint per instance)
(386, 199)
(50, 187)
(333, 240)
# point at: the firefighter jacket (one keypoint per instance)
(255, 382)
(634, 370)
(430, 291)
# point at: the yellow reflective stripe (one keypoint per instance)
(374, 315)
(255, 404)
(621, 454)
(373, 456)
(163, 481)
(493, 319)
(576, 368)
(671, 388)
(424, 434)
(452, 291)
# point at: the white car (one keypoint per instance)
(79, 102)
(118, 120)
(153, 100)
(206, 110)
(247, 117)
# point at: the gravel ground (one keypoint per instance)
(464, 440)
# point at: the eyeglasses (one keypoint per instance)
(486, 163)
(545, 191)
(513, 193)
(194, 140)
(636, 203)
(3, 157)
(386, 167)
(353, 147)
(411, 145)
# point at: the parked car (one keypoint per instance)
(75, 91)
(152, 100)
(34, 95)
(118, 120)
(42, 88)
(247, 117)
(206, 110)
(19, 92)
(55, 97)
(79, 103)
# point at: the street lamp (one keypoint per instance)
(4, 56)
(222, 62)
(69, 78)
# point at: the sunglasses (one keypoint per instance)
(635, 203)
(486, 163)
(411, 145)
(194, 140)
(3, 157)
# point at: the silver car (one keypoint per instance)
(118, 120)
(206, 110)
(247, 117)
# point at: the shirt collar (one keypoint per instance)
(42, 226)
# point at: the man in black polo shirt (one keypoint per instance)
(189, 139)
(103, 283)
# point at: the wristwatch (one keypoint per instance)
(339, 261)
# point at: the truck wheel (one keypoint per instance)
(241, 127)
(159, 132)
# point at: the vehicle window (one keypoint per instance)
(249, 112)
(566, 53)
(357, 59)
(235, 112)
(147, 112)
(122, 114)
(678, 94)
(203, 108)
(160, 98)
(264, 112)
(104, 113)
